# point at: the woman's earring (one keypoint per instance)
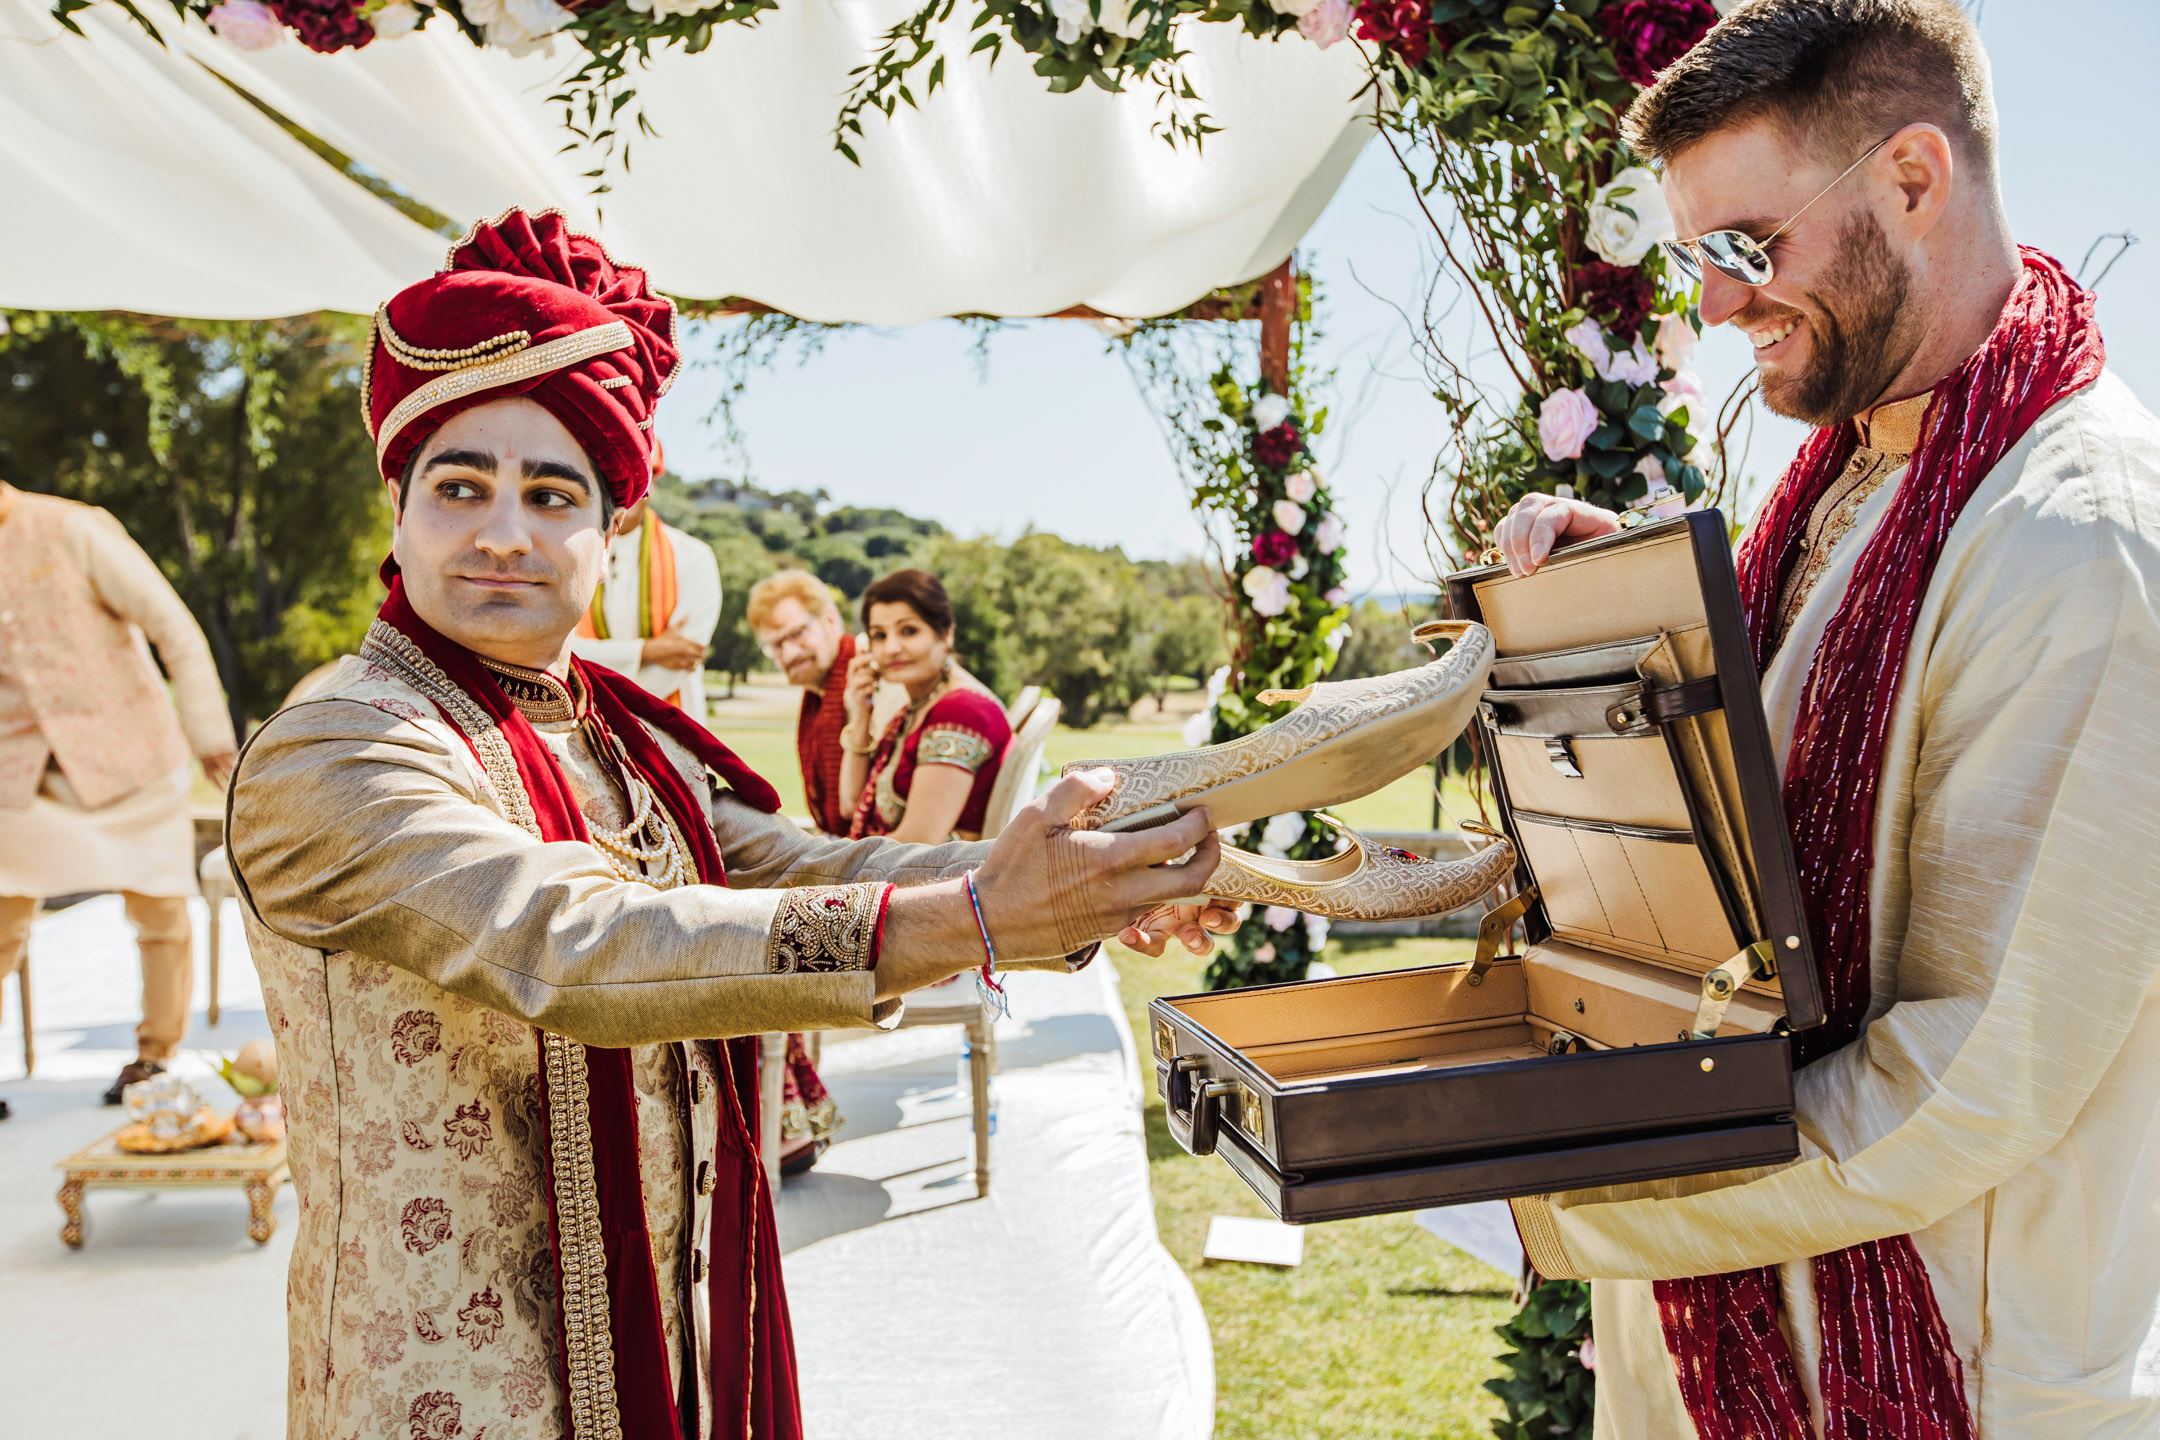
(945, 670)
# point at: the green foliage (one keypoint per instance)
(235, 454)
(1548, 1393)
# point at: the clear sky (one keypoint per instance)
(1054, 434)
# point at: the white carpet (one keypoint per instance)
(1049, 1310)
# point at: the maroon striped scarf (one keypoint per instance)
(817, 742)
(1888, 1369)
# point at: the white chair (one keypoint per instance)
(954, 1002)
(1022, 704)
(216, 871)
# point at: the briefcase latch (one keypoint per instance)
(1562, 756)
(1757, 962)
(1492, 932)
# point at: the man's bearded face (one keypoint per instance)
(499, 537)
(1834, 326)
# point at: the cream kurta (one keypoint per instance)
(410, 934)
(2003, 1104)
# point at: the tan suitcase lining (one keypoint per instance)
(1369, 1025)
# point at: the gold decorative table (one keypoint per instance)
(257, 1167)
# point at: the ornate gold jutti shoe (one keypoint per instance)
(1346, 738)
(1367, 881)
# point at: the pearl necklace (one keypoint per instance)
(646, 841)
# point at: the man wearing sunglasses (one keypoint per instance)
(1952, 595)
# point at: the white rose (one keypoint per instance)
(1196, 730)
(1621, 238)
(1298, 8)
(1281, 833)
(1588, 338)
(395, 22)
(246, 25)
(1279, 917)
(1298, 567)
(1270, 411)
(1652, 471)
(518, 26)
(1122, 17)
(1684, 388)
(1301, 486)
(1269, 589)
(1289, 515)
(1074, 19)
(1316, 928)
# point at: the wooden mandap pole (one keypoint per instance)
(1278, 306)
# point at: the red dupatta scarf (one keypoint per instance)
(1889, 1371)
(615, 1380)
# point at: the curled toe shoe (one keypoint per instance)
(1367, 881)
(1345, 739)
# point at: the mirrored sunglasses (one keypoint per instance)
(1730, 252)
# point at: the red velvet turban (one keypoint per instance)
(526, 306)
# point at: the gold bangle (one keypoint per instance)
(869, 749)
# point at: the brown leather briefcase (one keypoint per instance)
(1642, 1030)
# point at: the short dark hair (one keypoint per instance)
(919, 590)
(412, 467)
(1838, 75)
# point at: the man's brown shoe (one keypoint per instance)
(131, 1072)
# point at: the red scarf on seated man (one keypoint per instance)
(605, 1271)
(1889, 1370)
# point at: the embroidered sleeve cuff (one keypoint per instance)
(950, 745)
(1539, 1230)
(824, 928)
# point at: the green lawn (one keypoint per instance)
(1383, 1333)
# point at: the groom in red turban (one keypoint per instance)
(1954, 594)
(498, 895)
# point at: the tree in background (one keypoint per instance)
(235, 454)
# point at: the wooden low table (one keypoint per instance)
(257, 1168)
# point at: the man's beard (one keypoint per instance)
(1859, 333)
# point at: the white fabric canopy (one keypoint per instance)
(150, 186)
(134, 180)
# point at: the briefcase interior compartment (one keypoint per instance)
(1642, 1031)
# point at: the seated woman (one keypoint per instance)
(929, 777)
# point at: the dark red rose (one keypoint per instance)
(1620, 295)
(1648, 35)
(325, 25)
(1404, 28)
(1273, 549)
(1276, 448)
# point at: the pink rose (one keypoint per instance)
(1337, 596)
(1565, 421)
(1301, 486)
(1289, 515)
(1675, 341)
(247, 25)
(1279, 917)
(1269, 590)
(1326, 23)
(1328, 534)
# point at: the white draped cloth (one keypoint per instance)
(137, 179)
(2003, 1104)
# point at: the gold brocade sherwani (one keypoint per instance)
(410, 936)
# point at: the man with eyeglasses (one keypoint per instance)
(1952, 594)
(799, 628)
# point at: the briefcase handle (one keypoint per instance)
(1193, 1106)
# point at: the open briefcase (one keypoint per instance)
(1643, 1030)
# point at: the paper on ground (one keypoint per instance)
(1261, 1242)
(1485, 1230)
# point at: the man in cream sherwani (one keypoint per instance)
(2001, 1102)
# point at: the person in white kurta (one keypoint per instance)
(2003, 1103)
(670, 660)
